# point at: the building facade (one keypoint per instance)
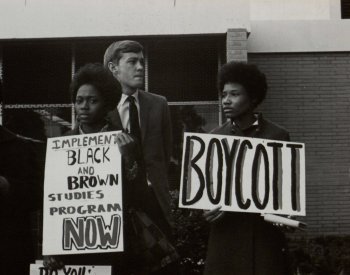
(303, 47)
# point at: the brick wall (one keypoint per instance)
(309, 94)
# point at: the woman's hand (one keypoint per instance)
(53, 262)
(213, 215)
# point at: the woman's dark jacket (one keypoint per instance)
(243, 243)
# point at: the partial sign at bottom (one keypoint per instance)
(39, 269)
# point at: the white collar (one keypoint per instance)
(124, 97)
(255, 123)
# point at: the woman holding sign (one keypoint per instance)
(243, 243)
(95, 92)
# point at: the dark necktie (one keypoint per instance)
(140, 185)
(134, 119)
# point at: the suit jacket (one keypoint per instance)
(156, 141)
(243, 243)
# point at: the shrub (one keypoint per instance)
(322, 255)
(191, 236)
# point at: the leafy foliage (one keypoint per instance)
(324, 255)
(191, 233)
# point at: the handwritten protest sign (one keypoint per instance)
(39, 269)
(243, 174)
(83, 195)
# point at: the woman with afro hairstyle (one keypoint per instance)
(95, 93)
(243, 243)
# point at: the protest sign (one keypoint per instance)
(242, 174)
(83, 195)
(39, 269)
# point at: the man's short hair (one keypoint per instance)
(116, 49)
(96, 75)
(247, 75)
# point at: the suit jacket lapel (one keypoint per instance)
(145, 105)
(113, 117)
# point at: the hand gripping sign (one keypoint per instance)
(243, 174)
(83, 195)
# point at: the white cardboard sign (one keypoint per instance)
(83, 195)
(39, 269)
(242, 174)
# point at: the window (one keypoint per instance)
(184, 69)
(36, 73)
(345, 9)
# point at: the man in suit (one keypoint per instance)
(125, 60)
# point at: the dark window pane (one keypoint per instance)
(37, 73)
(183, 69)
(188, 118)
(345, 9)
(90, 51)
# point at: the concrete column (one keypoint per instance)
(236, 45)
(73, 69)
